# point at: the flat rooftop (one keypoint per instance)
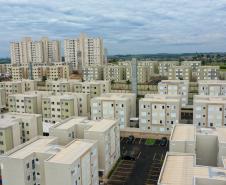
(173, 82)
(209, 99)
(39, 144)
(183, 132)
(101, 125)
(180, 169)
(69, 123)
(71, 152)
(212, 82)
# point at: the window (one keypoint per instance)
(27, 165)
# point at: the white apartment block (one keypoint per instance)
(56, 72)
(58, 86)
(84, 51)
(17, 128)
(18, 86)
(115, 73)
(42, 161)
(181, 169)
(209, 111)
(92, 73)
(193, 64)
(179, 73)
(159, 113)
(114, 106)
(42, 51)
(175, 87)
(19, 72)
(165, 65)
(145, 69)
(208, 144)
(94, 88)
(105, 132)
(212, 87)
(24, 103)
(2, 98)
(59, 107)
(208, 73)
(197, 156)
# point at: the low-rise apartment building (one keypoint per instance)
(2, 98)
(208, 73)
(17, 128)
(94, 88)
(212, 87)
(193, 64)
(179, 73)
(114, 106)
(60, 106)
(209, 111)
(159, 113)
(115, 73)
(92, 73)
(164, 67)
(42, 161)
(175, 87)
(25, 103)
(17, 87)
(19, 72)
(105, 132)
(208, 144)
(145, 69)
(56, 72)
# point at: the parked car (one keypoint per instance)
(163, 141)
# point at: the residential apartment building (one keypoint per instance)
(208, 72)
(94, 88)
(164, 67)
(24, 103)
(19, 72)
(179, 168)
(209, 111)
(105, 132)
(59, 107)
(193, 64)
(17, 128)
(59, 85)
(90, 73)
(114, 106)
(56, 72)
(2, 98)
(208, 144)
(42, 161)
(145, 69)
(115, 73)
(84, 51)
(179, 73)
(175, 87)
(212, 87)
(159, 113)
(29, 51)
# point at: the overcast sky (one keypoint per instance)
(127, 26)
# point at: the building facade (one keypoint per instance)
(159, 113)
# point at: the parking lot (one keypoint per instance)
(141, 163)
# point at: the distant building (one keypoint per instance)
(84, 51)
(208, 73)
(164, 67)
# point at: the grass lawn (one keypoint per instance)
(150, 141)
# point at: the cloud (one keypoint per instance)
(127, 26)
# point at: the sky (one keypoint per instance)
(127, 26)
